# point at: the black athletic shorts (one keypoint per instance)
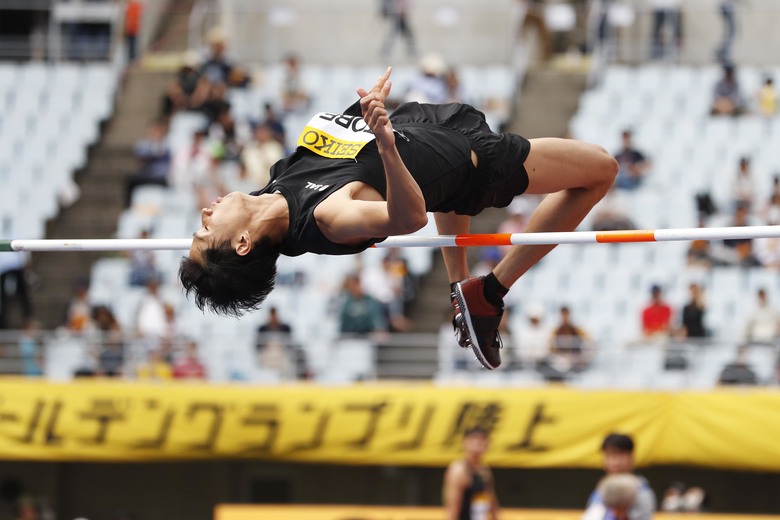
(500, 157)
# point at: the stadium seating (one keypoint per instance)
(51, 115)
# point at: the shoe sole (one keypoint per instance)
(465, 315)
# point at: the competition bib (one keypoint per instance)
(335, 136)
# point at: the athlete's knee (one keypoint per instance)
(604, 168)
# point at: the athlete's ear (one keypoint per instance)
(244, 244)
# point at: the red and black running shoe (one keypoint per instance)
(476, 321)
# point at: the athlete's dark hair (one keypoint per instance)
(228, 283)
(619, 442)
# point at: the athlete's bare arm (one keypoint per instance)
(454, 484)
(344, 219)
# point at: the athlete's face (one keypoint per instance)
(618, 461)
(475, 444)
(223, 220)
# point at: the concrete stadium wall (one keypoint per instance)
(341, 32)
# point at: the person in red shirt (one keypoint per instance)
(133, 10)
(190, 367)
(657, 315)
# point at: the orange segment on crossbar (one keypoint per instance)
(493, 239)
(646, 235)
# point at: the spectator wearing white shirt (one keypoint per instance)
(763, 324)
(533, 337)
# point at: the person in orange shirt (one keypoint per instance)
(133, 11)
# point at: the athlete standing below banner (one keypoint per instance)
(469, 490)
(353, 181)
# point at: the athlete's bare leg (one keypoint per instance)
(455, 259)
(576, 175)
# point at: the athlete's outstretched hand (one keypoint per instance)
(372, 104)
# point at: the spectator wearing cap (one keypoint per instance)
(217, 68)
(429, 86)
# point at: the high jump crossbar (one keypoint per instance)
(466, 240)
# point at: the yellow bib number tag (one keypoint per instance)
(335, 136)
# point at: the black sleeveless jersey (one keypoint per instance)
(438, 158)
(472, 495)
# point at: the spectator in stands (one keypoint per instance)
(227, 136)
(273, 329)
(612, 212)
(535, 18)
(738, 372)
(516, 221)
(295, 98)
(26, 509)
(727, 99)
(767, 250)
(217, 68)
(728, 10)
(189, 90)
(142, 264)
(570, 350)
(274, 324)
(693, 314)
(657, 315)
(215, 103)
(30, 350)
(189, 366)
(678, 499)
(763, 323)
(274, 120)
(133, 13)
(154, 157)
(193, 164)
(386, 283)
(111, 355)
(618, 451)
(155, 368)
(258, 155)
(151, 320)
(489, 257)
(533, 338)
(79, 314)
(274, 345)
(699, 254)
(742, 188)
(766, 98)
(455, 91)
(14, 289)
(396, 12)
(359, 313)
(667, 16)
(428, 86)
(739, 251)
(633, 164)
(618, 493)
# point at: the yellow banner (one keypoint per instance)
(382, 424)
(249, 512)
